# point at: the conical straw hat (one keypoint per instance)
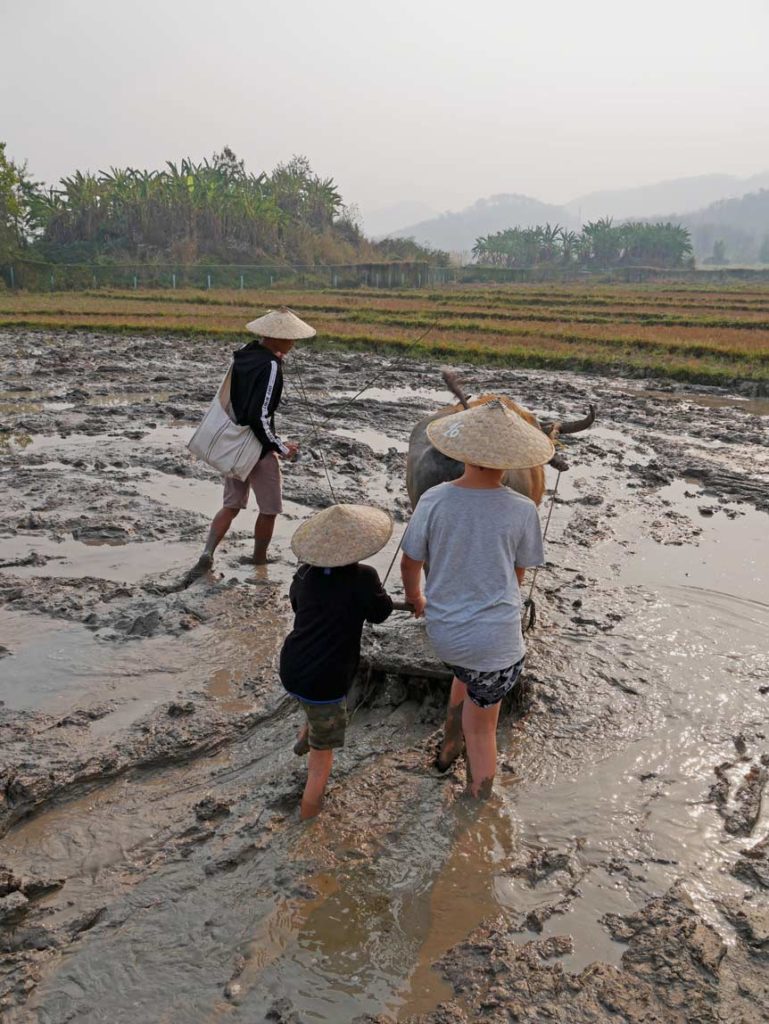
(342, 534)
(281, 323)
(491, 435)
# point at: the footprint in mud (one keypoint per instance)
(248, 560)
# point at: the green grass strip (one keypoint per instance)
(610, 364)
(554, 315)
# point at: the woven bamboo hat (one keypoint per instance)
(281, 323)
(491, 435)
(341, 534)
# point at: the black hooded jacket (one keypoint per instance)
(257, 384)
(320, 655)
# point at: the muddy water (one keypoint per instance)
(757, 406)
(146, 738)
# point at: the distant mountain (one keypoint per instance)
(683, 195)
(384, 219)
(458, 231)
(713, 206)
(741, 224)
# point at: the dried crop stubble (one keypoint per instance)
(514, 325)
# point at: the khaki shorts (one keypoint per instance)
(327, 724)
(264, 480)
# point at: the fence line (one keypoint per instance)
(40, 276)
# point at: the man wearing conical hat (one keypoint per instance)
(478, 537)
(257, 385)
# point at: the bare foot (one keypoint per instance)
(251, 560)
(309, 810)
(200, 568)
(447, 755)
(260, 551)
(481, 791)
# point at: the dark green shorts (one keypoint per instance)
(327, 724)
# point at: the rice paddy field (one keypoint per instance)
(153, 867)
(693, 333)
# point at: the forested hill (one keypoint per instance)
(706, 205)
(458, 231)
(215, 211)
(732, 230)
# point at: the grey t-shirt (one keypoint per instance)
(472, 540)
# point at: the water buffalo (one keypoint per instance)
(426, 466)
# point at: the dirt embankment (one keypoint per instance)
(148, 791)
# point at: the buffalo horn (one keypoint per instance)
(451, 382)
(572, 426)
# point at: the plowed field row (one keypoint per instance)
(578, 329)
(377, 309)
(477, 299)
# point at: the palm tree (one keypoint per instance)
(549, 243)
(214, 209)
(569, 245)
(601, 243)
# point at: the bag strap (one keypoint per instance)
(224, 388)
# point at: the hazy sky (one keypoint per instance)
(440, 102)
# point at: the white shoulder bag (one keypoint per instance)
(221, 442)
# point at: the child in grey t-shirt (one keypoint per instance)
(477, 537)
(473, 539)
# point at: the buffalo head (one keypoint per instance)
(426, 466)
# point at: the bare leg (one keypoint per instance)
(480, 728)
(263, 530)
(318, 770)
(453, 740)
(220, 524)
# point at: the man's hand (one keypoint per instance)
(292, 450)
(419, 603)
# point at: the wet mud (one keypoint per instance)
(152, 865)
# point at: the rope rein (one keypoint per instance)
(297, 362)
(314, 430)
(528, 604)
(392, 560)
(387, 369)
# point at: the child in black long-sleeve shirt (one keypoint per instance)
(332, 595)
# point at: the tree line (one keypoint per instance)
(214, 211)
(600, 244)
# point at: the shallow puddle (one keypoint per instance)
(221, 686)
(727, 557)
(187, 493)
(377, 441)
(74, 559)
(756, 406)
(128, 398)
(437, 396)
(58, 666)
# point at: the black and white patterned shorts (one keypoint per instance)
(485, 689)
